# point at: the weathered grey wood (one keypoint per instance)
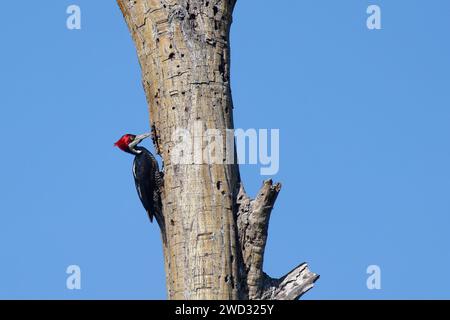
(253, 222)
(214, 247)
(290, 287)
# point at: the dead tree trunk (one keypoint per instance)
(216, 235)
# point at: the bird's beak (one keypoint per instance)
(141, 137)
(138, 140)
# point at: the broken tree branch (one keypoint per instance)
(253, 223)
(290, 287)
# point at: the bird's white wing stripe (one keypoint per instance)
(139, 192)
(134, 170)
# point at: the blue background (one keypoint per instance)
(365, 151)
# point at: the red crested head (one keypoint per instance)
(124, 142)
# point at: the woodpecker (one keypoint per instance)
(147, 177)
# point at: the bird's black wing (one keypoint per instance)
(145, 168)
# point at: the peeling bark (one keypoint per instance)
(216, 234)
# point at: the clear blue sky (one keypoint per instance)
(364, 119)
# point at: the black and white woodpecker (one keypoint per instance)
(147, 177)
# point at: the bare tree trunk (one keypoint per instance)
(216, 235)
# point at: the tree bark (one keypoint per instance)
(216, 235)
